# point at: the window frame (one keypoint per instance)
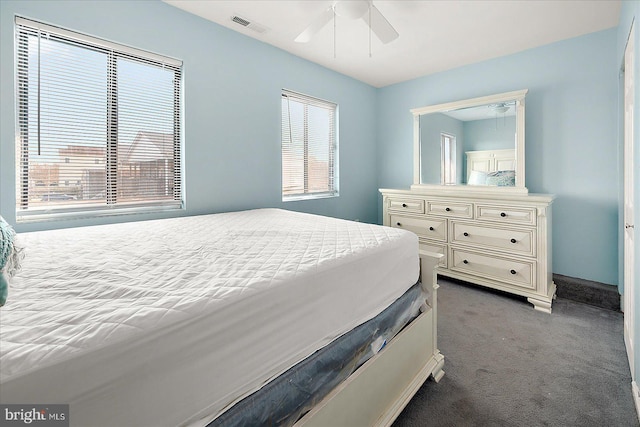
(332, 163)
(448, 150)
(24, 28)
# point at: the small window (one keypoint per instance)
(448, 167)
(97, 121)
(309, 147)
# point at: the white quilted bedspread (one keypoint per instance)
(252, 292)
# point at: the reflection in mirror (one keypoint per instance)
(457, 146)
(476, 142)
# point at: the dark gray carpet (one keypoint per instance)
(509, 365)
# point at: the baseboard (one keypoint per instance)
(587, 292)
(636, 397)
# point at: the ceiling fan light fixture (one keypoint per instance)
(353, 9)
(499, 108)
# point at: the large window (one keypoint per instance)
(98, 125)
(309, 147)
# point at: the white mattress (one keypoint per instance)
(170, 321)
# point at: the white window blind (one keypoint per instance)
(309, 147)
(98, 125)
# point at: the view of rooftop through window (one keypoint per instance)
(96, 127)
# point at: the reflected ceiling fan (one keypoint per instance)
(352, 9)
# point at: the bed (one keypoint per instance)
(491, 167)
(178, 321)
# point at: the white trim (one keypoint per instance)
(489, 99)
(417, 151)
(518, 96)
(438, 191)
(310, 196)
(456, 189)
(630, 289)
(44, 215)
(312, 100)
(636, 397)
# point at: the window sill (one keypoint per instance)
(313, 196)
(23, 217)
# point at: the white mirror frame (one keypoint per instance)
(518, 96)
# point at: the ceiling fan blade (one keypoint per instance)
(380, 26)
(315, 26)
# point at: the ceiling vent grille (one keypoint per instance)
(240, 21)
(248, 24)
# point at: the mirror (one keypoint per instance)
(475, 144)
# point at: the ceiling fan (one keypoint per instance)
(352, 9)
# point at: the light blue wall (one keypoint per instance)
(232, 108)
(232, 121)
(571, 130)
(431, 128)
(630, 12)
(490, 134)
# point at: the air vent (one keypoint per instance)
(240, 21)
(248, 24)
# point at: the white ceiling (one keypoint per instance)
(434, 35)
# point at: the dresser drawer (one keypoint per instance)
(430, 228)
(506, 215)
(434, 247)
(405, 205)
(517, 273)
(513, 240)
(453, 210)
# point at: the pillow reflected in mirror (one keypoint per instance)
(502, 178)
(477, 178)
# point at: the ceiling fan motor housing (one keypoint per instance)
(351, 9)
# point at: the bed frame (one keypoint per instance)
(490, 161)
(379, 390)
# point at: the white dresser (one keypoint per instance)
(502, 241)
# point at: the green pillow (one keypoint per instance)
(4, 288)
(9, 258)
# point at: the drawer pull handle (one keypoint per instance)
(465, 234)
(513, 240)
(465, 261)
(502, 214)
(398, 224)
(513, 272)
(430, 228)
(447, 209)
(404, 205)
